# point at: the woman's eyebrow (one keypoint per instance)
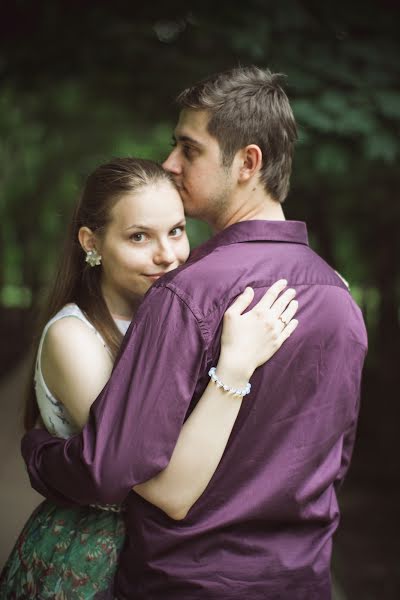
(147, 228)
(138, 226)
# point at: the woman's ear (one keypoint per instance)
(251, 159)
(87, 239)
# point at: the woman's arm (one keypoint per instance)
(248, 341)
(75, 366)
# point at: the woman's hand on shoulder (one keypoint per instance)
(75, 365)
(250, 339)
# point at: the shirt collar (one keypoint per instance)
(292, 232)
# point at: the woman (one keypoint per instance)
(127, 231)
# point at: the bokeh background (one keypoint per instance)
(81, 82)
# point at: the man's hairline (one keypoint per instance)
(201, 145)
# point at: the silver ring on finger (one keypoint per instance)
(282, 320)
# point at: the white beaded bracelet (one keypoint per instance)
(214, 377)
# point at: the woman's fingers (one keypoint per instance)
(270, 308)
(287, 331)
(287, 315)
(271, 295)
(282, 302)
(252, 337)
(242, 301)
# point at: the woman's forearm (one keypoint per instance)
(199, 448)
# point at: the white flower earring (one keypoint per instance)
(93, 258)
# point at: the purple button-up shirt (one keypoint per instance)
(264, 525)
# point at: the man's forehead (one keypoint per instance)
(192, 122)
(192, 127)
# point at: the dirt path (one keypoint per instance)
(17, 499)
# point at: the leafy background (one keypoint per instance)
(81, 82)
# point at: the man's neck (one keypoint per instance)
(256, 206)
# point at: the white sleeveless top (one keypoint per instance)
(55, 416)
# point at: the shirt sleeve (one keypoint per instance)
(356, 330)
(134, 423)
(349, 439)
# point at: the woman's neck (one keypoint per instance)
(118, 317)
(121, 307)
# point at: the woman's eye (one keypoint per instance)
(177, 231)
(138, 237)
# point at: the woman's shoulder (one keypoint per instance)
(70, 325)
(69, 318)
(69, 340)
(69, 310)
(70, 329)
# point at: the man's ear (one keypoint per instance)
(87, 239)
(251, 162)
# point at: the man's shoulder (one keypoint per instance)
(212, 281)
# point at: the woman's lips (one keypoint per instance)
(154, 276)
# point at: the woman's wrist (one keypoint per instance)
(223, 385)
(234, 374)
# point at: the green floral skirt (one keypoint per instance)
(64, 554)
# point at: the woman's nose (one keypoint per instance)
(165, 254)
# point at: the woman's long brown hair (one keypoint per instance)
(75, 280)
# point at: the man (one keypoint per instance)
(263, 528)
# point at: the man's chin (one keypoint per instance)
(190, 207)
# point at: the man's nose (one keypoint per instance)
(171, 163)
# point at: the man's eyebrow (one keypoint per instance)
(188, 140)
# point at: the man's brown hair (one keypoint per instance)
(247, 105)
